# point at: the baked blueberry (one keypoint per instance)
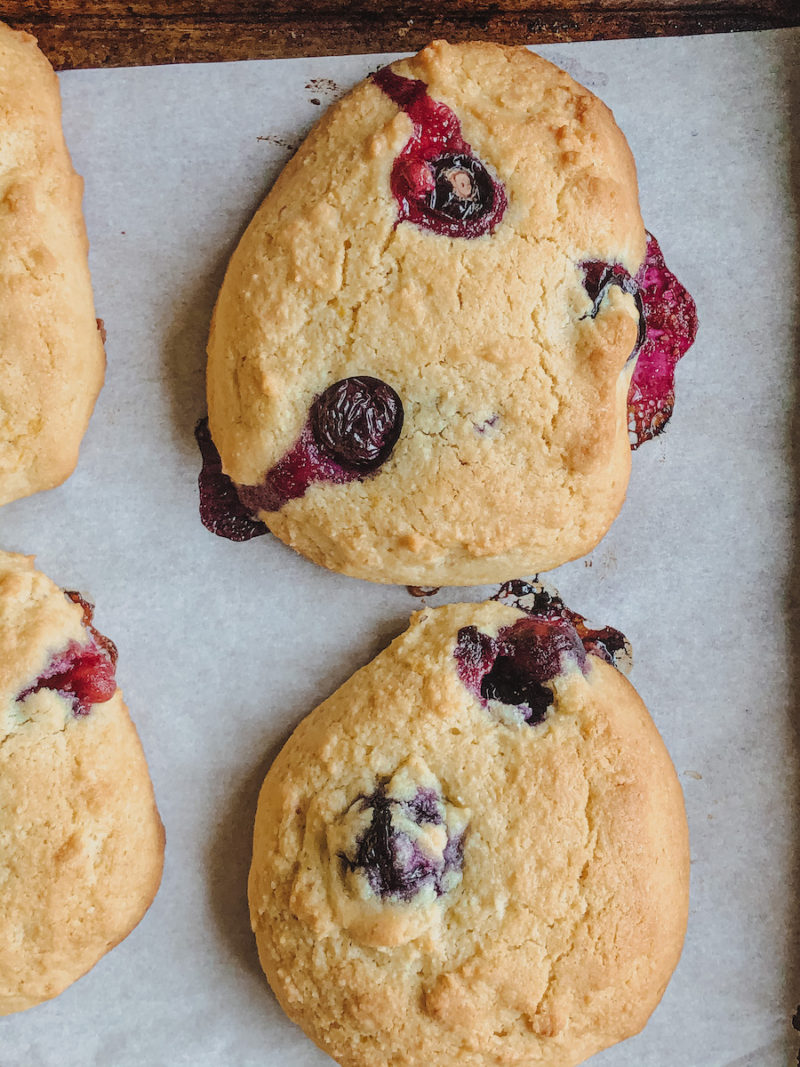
(514, 667)
(221, 510)
(357, 422)
(396, 852)
(437, 180)
(350, 432)
(538, 599)
(84, 674)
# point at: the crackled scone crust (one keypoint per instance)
(81, 842)
(51, 354)
(514, 454)
(570, 915)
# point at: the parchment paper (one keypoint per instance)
(224, 647)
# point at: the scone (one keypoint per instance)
(474, 852)
(420, 356)
(81, 842)
(51, 353)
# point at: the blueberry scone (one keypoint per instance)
(81, 842)
(474, 852)
(408, 378)
(52, 361)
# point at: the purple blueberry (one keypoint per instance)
(463, 188)
(351, 430)
(515, 667)
(393, 863)
(425, 808)
(437, 181)
(357, 422)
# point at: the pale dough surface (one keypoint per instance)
(514, 453)
(52, 361)
(568, 920)
(81, 841)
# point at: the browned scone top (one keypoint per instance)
(550, 937)
(513, 455)
(81, 841)
(52, 361)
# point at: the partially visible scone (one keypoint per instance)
(81, 842)
(420, 356)
(52, 361)
(474, 852)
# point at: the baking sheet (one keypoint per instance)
(224, 647)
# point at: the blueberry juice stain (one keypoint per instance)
(667, 328)
(607, 643)
(350, 432)
(437, 180)
(84, 674)
(221, 510)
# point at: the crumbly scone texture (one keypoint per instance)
(570, 913)
(52, 360)
(81, 841)
(514, 453)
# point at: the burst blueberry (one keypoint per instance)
(516, 667)
(390, 853)
(84, 674)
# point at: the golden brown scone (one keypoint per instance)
(495, 443)
(52, 361)
(81, 842)
(474, 852)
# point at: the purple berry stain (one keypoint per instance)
(392, 859)
(607, 643)
(437, 180)
(84, 674)
(221, 510)
(667, 328)
(350, 432)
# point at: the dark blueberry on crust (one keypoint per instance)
(350, 432)
(393, 866)
(598, 278)
(463, 188)
(82, 674)
(389, 852)
(357, 422)
(515, 667)
(437, 180)
(509, 682)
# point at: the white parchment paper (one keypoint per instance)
(224, 647)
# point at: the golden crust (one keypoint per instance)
(52, 361)
(569, 919)
(81, 842)
(514, 454)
